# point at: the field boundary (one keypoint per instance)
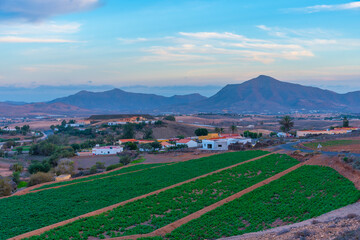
(172, 226)
(102, 210)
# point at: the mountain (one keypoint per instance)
(266, 94)
(263, 94)
(117, 100)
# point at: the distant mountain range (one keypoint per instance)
(263, 94)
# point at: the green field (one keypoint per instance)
(120, 171)
(153, 212)
(332, 143)
(24, 148)
(35, 210)
(303, 194)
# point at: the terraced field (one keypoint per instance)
(40, 209)
(154, 212)
(303, 194)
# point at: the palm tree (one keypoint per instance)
(233, 128)
(286, 123)
(217, 130)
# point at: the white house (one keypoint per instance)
(166, 145)
(108, 150)
(222, 144)
(190, 143)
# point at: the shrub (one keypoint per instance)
(16, 177)
(40, 177)
(125, 160)
(114, 166)
(5, 187)
(170, 118)
(39, 167)
(16, 167)
(66, 166)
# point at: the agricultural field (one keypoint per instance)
(151, 213)
(120, 171)
(50, 206)
(333, 143)
(302, 194)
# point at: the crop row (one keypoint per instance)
(303, 194)
(120, 171)
(40, 209)
(153, 212)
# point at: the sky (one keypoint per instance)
(175, 47)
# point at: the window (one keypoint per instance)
(219, 145)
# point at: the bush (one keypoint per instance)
(5, 187)
(125, 160)
(170, 118)
(40, 177)
(39, 167)
(16, 167)
(66, 166)
(16, 177)
(114, 166)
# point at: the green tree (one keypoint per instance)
(128, 131)
(201, 132)
(233, 129)
(345, 122)
(286, 123)
(148, 133)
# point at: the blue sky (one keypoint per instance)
(127, 43)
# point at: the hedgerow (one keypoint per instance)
(40, 209)
(153, 212)
(303, 194)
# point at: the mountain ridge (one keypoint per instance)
(262, 94)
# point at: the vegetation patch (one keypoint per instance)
(74, 200)
(332, 143)
(305, 193)
(153, 212)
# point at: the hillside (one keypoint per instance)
(35, 109)
(266, 94)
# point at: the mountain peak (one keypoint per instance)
(264, 78)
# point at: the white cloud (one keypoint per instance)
(12, 39)
(210, 47)
(39, 28)
(132, 40)
(34, 10)
(53, 68)
(334, 7)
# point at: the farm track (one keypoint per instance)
(99, 211)
(172, 226)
